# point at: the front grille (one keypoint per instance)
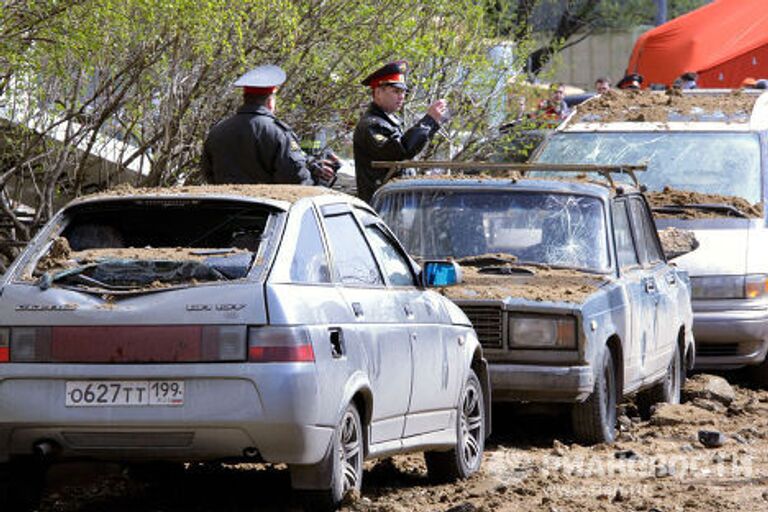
(128, 439)
(487, 321)
(718, 349)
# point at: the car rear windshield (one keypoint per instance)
(706, 162)
(556, 229)
(123, 245)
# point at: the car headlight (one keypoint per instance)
(752, 286)
(542, 331)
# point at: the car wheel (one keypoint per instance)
(346, 464)
(667, 390)
(594, 420)
(465, 458)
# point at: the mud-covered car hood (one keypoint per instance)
(542, 285)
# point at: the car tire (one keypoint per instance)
(347, 455)
(668, 390)
(594, 420)
(21, 484)
(465, 458)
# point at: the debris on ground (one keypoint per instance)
(671, 471)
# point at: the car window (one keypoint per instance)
(310, 261)
(644, 233)
(625, 246)
(353, 261)
(394, 264)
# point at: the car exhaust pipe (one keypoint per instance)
(46, 449)
(251, 453)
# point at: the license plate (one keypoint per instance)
(130, 393)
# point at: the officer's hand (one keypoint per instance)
(323, 171)
(437, 110)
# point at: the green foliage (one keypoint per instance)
(157, 74)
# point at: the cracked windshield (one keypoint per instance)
(710, 163)
(560, 230)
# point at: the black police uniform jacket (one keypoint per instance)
(379, 136)
(253, 146)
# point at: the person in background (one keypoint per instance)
(602, 85)
(379, 135)
(554, 107)
(686, 81)
(631, 82)
(254, 146)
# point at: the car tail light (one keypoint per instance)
(5, 345)
(124, 344)
(30, 344)
(280, 345)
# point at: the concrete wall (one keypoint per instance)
(600, 54)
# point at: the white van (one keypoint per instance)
(707, 157)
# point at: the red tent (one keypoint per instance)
(725, 41)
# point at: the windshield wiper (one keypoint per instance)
(483, 260)
(505, 271)
(723, 208)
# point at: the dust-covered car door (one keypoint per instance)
(378, 326)
(436, 354)
(660, 279)
(640, 303)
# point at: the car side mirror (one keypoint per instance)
(440, 273)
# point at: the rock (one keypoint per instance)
(464, 507)
(709, 405)
(559, 448)
(709, 387)
(687, 448)
(624, 423)
(711, 438)
(619, 496)
(501, 488)
(765, 495)
(664, 471)
(739, 438)
(672, 414)
(626, 455)
(351, 497)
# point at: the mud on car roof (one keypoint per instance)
(443, 172)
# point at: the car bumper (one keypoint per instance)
(730, 338)
(236, 411)
(517, 382)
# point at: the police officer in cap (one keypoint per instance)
(630, 81)
(379, 134)
(253, 146)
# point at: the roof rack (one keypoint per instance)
(477, 167)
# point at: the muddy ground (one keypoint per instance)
(531, 464)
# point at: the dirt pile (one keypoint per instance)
(61, 257)
(662, 107)
(290, 193)
(677, 242)
(526, 282)
(682, 198)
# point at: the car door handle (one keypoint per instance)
(357, 308)
(650, 285)
(671, 278)
(408, 310)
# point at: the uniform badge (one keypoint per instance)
(295, 146)
(379, 138)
